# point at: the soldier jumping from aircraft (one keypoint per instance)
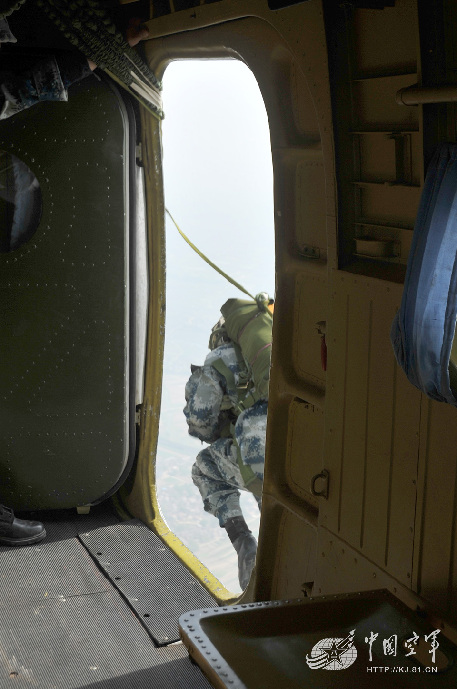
(227, 401)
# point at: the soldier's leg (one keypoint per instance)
(217, 476)
(250, 434)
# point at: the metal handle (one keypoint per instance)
(322, 476)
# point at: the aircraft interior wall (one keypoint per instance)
(349, 164)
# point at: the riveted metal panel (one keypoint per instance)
(64, 307)
(267, 644)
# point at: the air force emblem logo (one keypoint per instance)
(333, 654)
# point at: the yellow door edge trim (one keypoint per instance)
(138, 497)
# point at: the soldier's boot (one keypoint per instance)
(245, 545)
(14, 531)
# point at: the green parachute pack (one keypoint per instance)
(248, 325)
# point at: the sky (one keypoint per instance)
(219, 188)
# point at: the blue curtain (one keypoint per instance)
(423, 329)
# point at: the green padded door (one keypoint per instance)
(65, 349)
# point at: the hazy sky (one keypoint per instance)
(219, 188)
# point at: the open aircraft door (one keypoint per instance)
(67, 388)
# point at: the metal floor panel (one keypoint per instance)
(62, 524)
(48, 570)
(64, 626)
(86, 641)
(150, 577)
(59, 565)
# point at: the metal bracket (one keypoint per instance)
(323, 476)
(321, 327)
(309, 251)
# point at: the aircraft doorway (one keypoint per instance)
(218, 182)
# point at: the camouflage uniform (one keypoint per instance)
(210, 416)
(48, 79)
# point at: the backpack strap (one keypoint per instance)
(235, 390)
(252, 482)
(251, 398)
(246, 396)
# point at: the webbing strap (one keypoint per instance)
(269, 344)
(251, 480)
(244, 402)
(229, 376)
(251, 398)
(205, 258)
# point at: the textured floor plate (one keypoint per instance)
(150, 577)
(57, 567)
(48, 570)
(64, 626)
(87, 641)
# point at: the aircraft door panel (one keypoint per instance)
(372, 434)
(65, 346)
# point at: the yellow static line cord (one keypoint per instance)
(210, 263)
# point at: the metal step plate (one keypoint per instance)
(150, 577)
